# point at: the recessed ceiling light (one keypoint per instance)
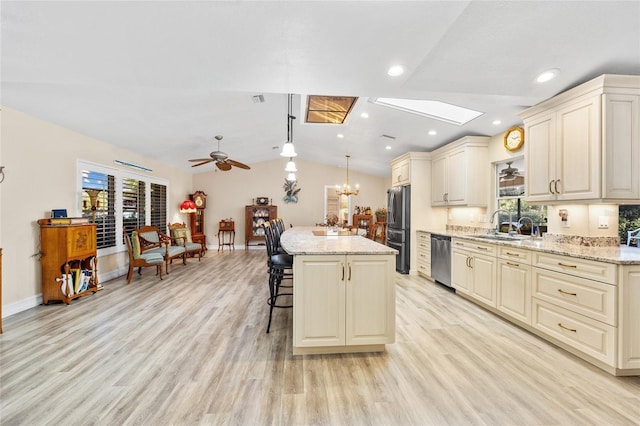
(396, 70)
(547, 75)
(364, 115)
(496, 122)
(433, 132)
(340, 135)
(387, 147)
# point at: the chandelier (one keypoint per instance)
(346, 188)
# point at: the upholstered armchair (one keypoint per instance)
(153, 241)
(181, 236)
(140, 260)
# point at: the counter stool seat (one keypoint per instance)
(280, 268)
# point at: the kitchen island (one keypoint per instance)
(343, 292)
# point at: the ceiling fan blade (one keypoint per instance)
(238, 164)
(203, 162)
(201, 159)
(223, 165)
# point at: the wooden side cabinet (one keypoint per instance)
(68, 251)
(254, 217)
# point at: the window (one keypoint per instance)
(510, 197)
(133, 204)
(628, 220)
(98, 204)
(118, 201)
(159, 206)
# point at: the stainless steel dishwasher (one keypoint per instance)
(441, 259)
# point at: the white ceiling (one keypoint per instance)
(163, 78)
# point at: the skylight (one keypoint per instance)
(432, 109)
(328, 109)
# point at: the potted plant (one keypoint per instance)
(381, 214)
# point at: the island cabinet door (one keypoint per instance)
(319, 300)
(370, 299)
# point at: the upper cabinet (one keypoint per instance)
(459, 173)
(583, 145)
(400, 172)
(409, 167)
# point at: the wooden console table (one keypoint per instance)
(226, 234)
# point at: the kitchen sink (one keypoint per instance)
(493, 237)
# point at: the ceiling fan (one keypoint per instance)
(509, 173)
(222, 160)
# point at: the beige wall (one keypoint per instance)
(40, 162)
(229, 192)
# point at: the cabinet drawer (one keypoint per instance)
(584, 268)
(423, 237)
(590, 298)
(425, 269)
(516, 254)
(474, 246)
(424, 257)
(591, 337)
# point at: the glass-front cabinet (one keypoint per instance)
(255, 217)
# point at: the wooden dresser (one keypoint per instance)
(67, 251)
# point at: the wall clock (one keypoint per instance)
(200, 199)
(514, 138)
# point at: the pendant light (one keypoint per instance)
(288, 149)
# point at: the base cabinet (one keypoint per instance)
(629, 318)
(514, 290)
(473, 270)
(424, 253)
(588, 307)
(343, 300)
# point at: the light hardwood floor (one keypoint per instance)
(192, 349)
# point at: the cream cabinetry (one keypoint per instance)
(588, 307)
(459, 173)
(514, 283)
(401, 172)
(473, 270)
(621, 132)
(424, 253)
(629, 318)
(583, 145)
(575, 302)
(343, 300)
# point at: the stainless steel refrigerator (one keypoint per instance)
(399, 224)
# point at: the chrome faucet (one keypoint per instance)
(532, 225)
(493, 216)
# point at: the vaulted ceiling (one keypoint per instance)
(163, 78)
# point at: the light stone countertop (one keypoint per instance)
(301, 241)
(621, 255)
